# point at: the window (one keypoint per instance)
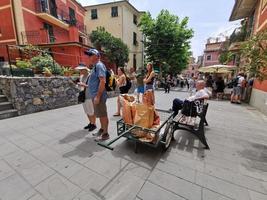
(80, 39)
(135, 19)
(53, 8)
(44, 6)
(134, 61)
(72, 17)
(135, 39)
(114, 11)
(50, 32)
(94, 14)
(208, 57)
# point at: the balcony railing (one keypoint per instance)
(41, 7)
(38, 37)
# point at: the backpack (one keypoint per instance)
(110, 84)
(235, 81)
(110, 81)
(128, 83)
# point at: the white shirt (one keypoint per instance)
(201, 94)
(240, 80)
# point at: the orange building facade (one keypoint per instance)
(255, 11)
(54, 24)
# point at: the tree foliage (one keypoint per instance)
(114, 48)
(254, 51)
(225, 57)
(167, 39)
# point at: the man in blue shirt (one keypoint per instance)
(98, 93)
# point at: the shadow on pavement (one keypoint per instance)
(79, 134)
(84, 146)
(185, 141)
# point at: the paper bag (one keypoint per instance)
(144, 116)
(127, 112)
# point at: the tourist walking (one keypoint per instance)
(237, 88)
(168, 84)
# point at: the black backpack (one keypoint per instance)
(110, 84)
(235, 82)
(110, 81)
(128, 83)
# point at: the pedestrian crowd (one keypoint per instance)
(96, 81)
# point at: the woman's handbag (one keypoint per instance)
(81, 97)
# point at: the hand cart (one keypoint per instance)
(163, 133)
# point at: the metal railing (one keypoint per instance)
(41, 6)
(37, 37)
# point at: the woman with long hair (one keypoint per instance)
(122, 84)
(149, 79)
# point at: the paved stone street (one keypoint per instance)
(48, 156)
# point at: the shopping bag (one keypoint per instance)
(127, 111)
(144, 115)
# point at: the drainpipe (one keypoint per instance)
(15, 21)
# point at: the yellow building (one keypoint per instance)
(120, 19)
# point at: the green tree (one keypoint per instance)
(115, 50)
(254, 51)
(167, 40)
(225, 57)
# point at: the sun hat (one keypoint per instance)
(81, 66)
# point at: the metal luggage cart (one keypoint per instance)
(163, 133)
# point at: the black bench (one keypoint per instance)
(197, 129)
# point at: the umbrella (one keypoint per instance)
(217, 69)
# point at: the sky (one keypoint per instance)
(208, 18)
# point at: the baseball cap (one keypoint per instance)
(91, 52)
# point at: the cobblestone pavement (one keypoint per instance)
(48, 155)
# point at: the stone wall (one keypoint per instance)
(30, 95)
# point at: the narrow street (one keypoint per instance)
(48, 155)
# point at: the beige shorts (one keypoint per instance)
(101, 109)
(88, 107)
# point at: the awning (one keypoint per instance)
(218, 69)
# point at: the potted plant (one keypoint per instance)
(23, 68)
(56, 69)
(47, 72)
(67, 71)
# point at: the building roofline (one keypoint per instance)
(78, 4)
(116, 2)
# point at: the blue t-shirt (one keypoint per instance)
(99, 70)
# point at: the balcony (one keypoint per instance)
(37, 37)
(52, 14)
